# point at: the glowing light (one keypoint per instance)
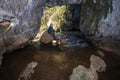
(49, 22)
(12, 24)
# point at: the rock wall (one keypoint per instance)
(100, 21)
(102, 25)
(24, 18)
(71, 18)
(109, 29)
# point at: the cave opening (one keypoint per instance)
(66, 23)
(63, 17)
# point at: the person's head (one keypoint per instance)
(51, 24)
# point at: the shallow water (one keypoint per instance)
(54, 64)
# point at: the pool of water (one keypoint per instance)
(54, 64)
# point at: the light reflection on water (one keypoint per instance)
(53, 64)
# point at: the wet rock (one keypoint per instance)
(82, 73)
(102, 21)
(100, 53)
(46, 38)
(28, 71)
(97, 63)
(24, 16)
(72, 40)
(66, 40)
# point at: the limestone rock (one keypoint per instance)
(100, 53)
(105, 32)
(82, 73)
(46, 38)
(70, 39)
(4, 26)
(28, 71)
(97, 63)
(24, 16)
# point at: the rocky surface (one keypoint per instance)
(24, 16)
(46, 38)
(64, 39)
(100, 53)
(109, 28)
(72, 39)
(71, 18)
(97, 63)
(28, 71)
(82, 73)
(99, 21)
(102, 22)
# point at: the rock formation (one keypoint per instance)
(46, 38)
(26, 75)
(82, 73)
(24, 15)
(102, 22)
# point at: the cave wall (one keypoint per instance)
(71, 18)
(23, 16)
(99, 22)
(109, 29)
(102, 25)
(20, 20)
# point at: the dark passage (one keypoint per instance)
(54, 64)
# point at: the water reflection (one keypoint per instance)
(53, 64)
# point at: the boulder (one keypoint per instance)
(46, 38)
(28, 71)
(82, 73)
(97, 63)
(100, 53)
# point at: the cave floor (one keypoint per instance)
(54, 64)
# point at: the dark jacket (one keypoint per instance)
(51, 30)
